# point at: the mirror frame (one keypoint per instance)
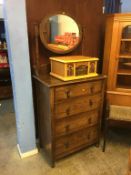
(43, 21)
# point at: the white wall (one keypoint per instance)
(126, 6)
(67, 24)
(1, 11)
(61, 24)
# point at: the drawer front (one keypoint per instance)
(67, 143)
(77, 106)
(76, 90)
(77, 122)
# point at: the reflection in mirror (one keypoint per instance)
(60, 33)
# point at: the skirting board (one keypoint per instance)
(27, 154)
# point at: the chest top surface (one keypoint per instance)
(50, 81)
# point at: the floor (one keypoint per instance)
(91, 161)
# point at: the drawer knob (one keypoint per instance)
(88, 136)
(90, 102)
(89, 121)
(67, 128)
(92, 89)
(66, 145)
(68, 111)
(68, 93)
(83, 90)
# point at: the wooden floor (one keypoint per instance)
(91, 161)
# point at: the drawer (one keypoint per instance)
(79, 105)
(77, 122)
(76, 90)
(68, 143)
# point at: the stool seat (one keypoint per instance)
(121, 113)
(116, 113)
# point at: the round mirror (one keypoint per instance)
(60, 33)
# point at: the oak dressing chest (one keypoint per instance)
(69, 114)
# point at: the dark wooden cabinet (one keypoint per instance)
(69, 114)
(5, 80)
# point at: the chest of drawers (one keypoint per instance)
(68, 114)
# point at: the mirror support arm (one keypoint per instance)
(36, 59)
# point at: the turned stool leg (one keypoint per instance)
(106, 119)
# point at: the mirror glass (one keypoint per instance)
(60, 33)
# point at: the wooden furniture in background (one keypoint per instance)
(5, 80)
(115, 114)
(117, 59)
(69, 114)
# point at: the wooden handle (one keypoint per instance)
(67, 128)
(92, 89)
(83, 90)
(68, 111)
(90, 102)
(89, 121)
(88, 136)
(68, 93)
(66, 145)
